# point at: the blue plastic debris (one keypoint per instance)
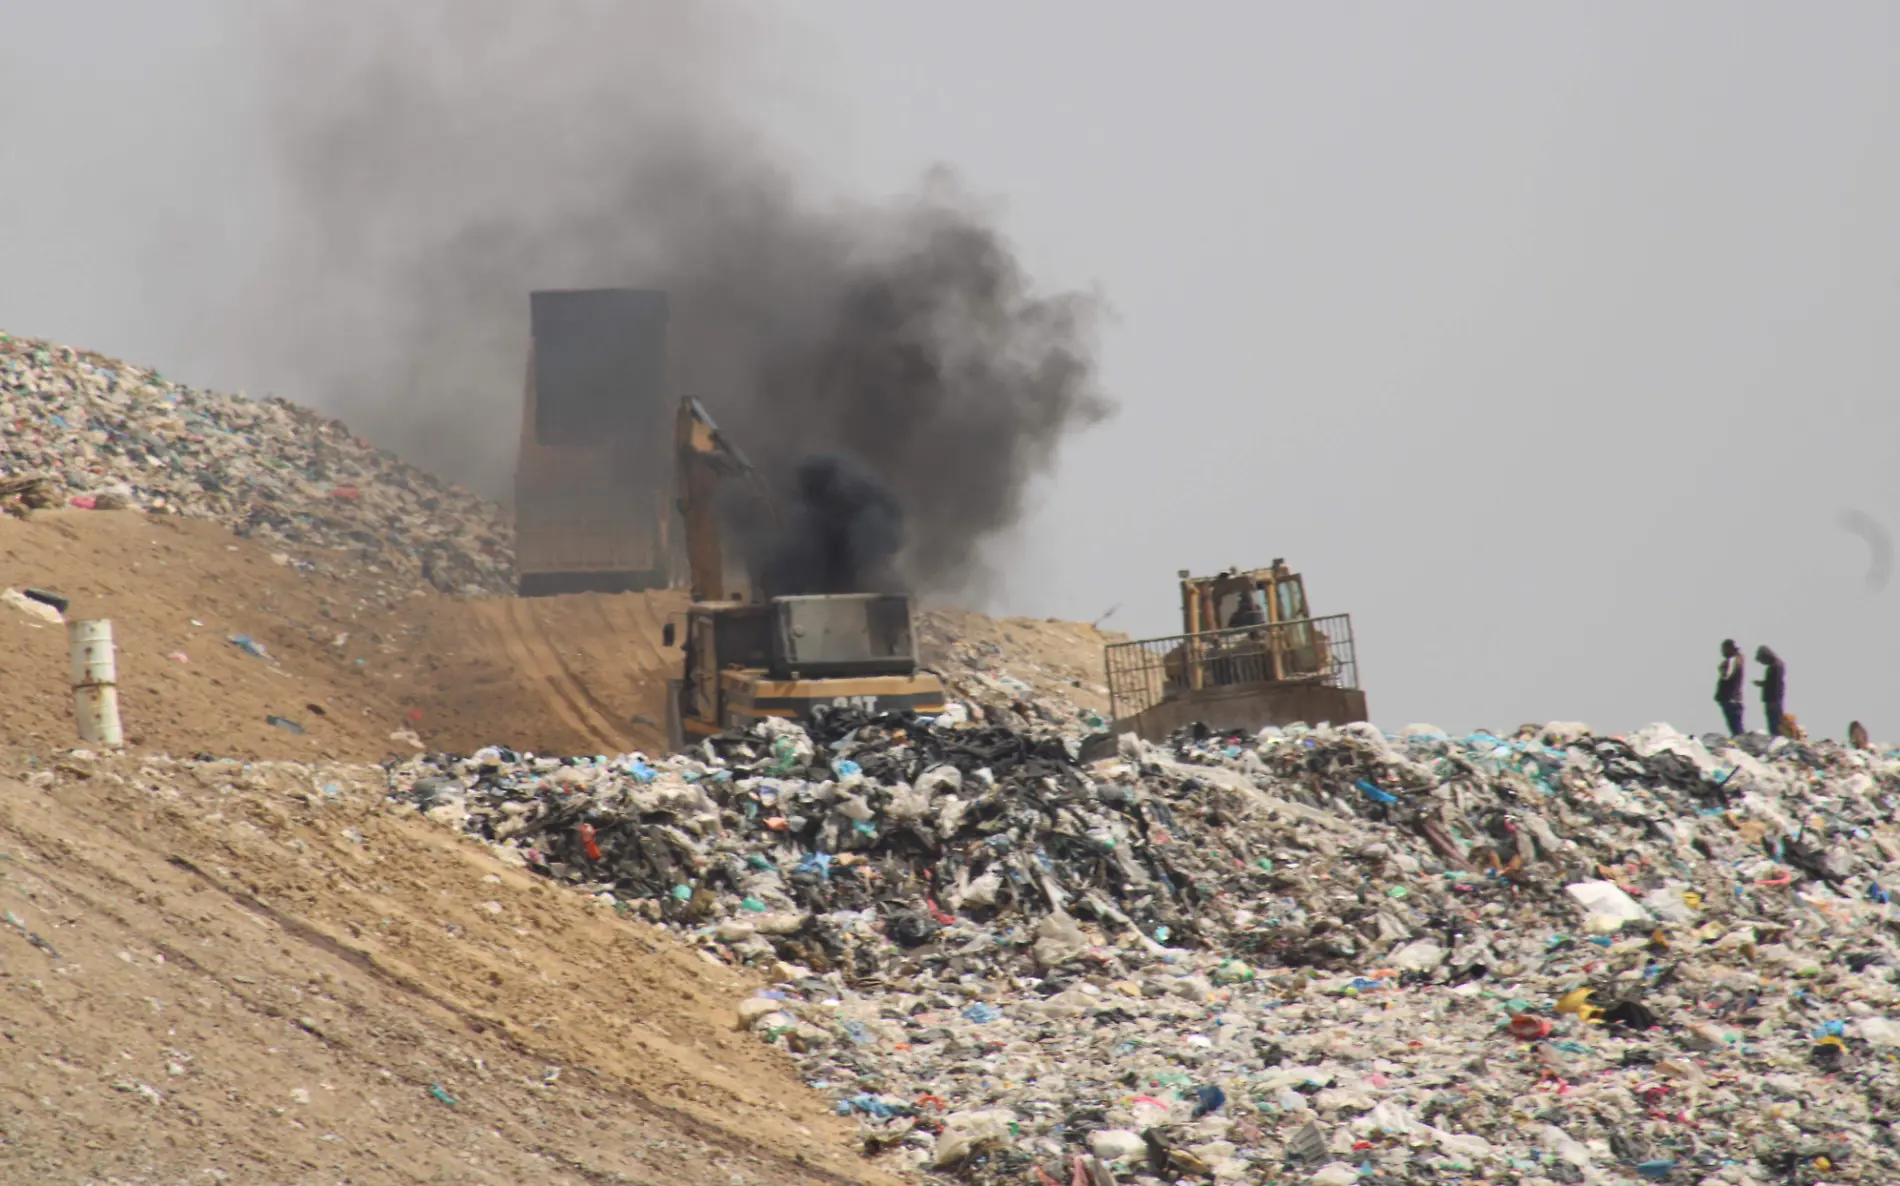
(1656, 1171)
(816, 862)
(981, 1013)
(249, 646)
(845, 768)
(1209, 1098)
(1374, 793)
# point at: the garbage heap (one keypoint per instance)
(78, 429)
(1327, 955)
(1056, 679)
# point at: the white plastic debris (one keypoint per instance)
(1604, 900)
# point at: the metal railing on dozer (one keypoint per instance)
(1144, 673)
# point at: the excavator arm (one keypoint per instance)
(705, 458)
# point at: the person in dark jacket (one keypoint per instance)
(1774, 686)
(1728, 686)
(1247, 613)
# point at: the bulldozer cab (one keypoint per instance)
(1251, 653)
(1249, 626)
(1237, 598)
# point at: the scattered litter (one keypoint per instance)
(13, 920)
(284, 723)
(57, 601)
(22, 494)
(249, 646)
(31, 607)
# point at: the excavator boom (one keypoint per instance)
(705, 458)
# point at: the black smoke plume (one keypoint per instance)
(842, 536)
(439, 159)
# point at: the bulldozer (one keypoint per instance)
(1251, 654)
(749, 656)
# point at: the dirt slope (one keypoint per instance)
(211, 972)
(180, 587)
(555, 675)
(559, 675)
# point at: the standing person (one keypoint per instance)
(1774, 686)
(1728, 686)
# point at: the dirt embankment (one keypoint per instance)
(176, 591)
(561, 675)
(214, 972)
(584, 674)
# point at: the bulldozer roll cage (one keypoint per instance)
(1152, 671)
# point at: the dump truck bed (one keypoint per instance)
(593, 479)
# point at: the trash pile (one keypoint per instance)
(1326, 956)
(78, 429)
(1004, 685)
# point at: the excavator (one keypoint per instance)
(749, 656)
(1251, 654)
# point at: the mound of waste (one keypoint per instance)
(1325, 955)
(79, 429)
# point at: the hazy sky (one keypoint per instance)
(1548, 340)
